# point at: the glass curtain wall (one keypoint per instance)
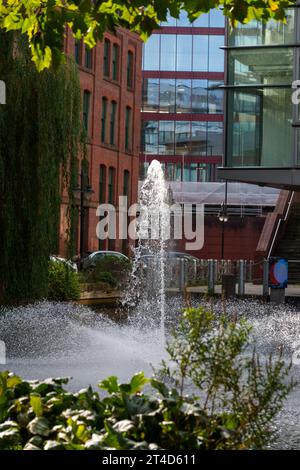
(259, 111)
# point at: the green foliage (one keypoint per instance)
(63, 282)
(111, 269)
(237, 399)
(40, 129)
(44, 21)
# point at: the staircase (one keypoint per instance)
(288, 243)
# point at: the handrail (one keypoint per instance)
(282, 219)
(273, 222)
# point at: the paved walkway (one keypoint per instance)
(250, 289)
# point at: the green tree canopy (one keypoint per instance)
(44, 21)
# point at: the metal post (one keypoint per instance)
(82, 214)
(265, 277)
(181, 275)
(211, 277)
(241, 286)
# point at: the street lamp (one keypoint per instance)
(85, 191)
(223, 217)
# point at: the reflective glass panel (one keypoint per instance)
(215, 98)
(170, 21)
(151, 53)
(183, 96)
(184, 52)
(216, 55)
(199, 138)
(202, 21)
(182, 137)
(216, 18)
(255, 32)
(214, 138)
(167, 51)
(167, 95)
(266, 66)
(150, 137)
(259, 127)
(200, 53)
(150, 94)
(183, 19)
(166, 138)
(199, 96)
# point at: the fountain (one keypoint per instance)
(65, 339)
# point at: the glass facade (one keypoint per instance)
(182, 105)
(182, 96)
(201, 138)
(184, 52)
(261, 64)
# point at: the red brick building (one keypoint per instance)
(111, 83)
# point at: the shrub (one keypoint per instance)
(235, 400)
(111, 269)
(63, 282)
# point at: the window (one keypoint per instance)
(130, 69)
(103, 119)
(106, 58)
(259, 127)
(115, 62)
(200, 53)
(151, 53)
(102, 184)
(150, 137)
(168, 52)
(111, 185)
(167, 95)
(216, 54)
(215, 97)
(198, 138)
(214, 138)
(88, 57)
(128, 118)
(199, 96)
(86, 109)
(216, 18)
(182, 137)
(166, 138)
(112, 122)
(150, 94)
(201, 21)
(184, 53)
(77, 52)
(126, 183)
(267, 66)
(183, 96)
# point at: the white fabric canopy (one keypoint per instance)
(214, 193)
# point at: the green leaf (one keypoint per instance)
(110, 384)
(36, 403)
(137, 382)
(39, 426)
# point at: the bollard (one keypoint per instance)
(181, 274)
(195, 263)
(265, 278)
(211, 276)
(228, 285)
(241, 285)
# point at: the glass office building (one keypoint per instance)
(262, 123)
(182, 106)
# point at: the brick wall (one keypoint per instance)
(116, 156)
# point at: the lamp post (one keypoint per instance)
(223, 217)
(85, 191)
